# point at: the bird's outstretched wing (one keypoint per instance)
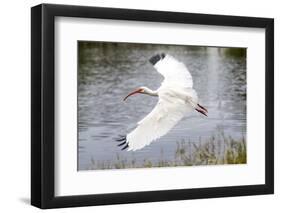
(174, 71)
(157, 123)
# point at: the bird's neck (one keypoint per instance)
(151, 92)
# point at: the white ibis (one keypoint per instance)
(175, 99)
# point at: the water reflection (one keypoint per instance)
(108, 71)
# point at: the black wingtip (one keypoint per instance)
(123, 140)
(121, 144)
(125, 147)
(154, 59)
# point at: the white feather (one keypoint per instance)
(166, 114)
(174, 72)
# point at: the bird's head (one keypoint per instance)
(141, 90)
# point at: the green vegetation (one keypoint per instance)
(235, 52)
(216, 150)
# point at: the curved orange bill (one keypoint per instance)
(132, 93)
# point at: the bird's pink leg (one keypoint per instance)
(201, 109)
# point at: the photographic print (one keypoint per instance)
(159, 105)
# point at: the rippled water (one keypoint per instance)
(109, 71)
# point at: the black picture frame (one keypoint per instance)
(43, 105)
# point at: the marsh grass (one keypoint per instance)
(216, 150)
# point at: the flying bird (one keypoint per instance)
(176, 98)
